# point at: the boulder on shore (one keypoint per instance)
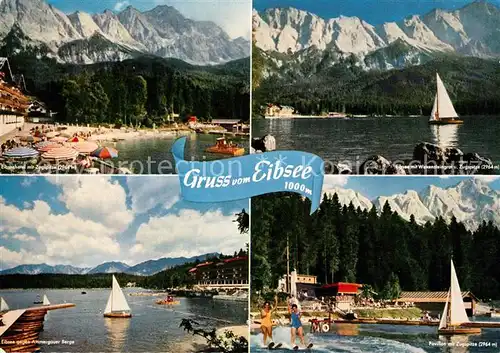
(380, 166)
(264, 144)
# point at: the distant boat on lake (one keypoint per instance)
(117, 306)
(443, 111)
(454, 315)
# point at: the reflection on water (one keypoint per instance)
(445, 135)
(353, 141)
(117, 332)
(456, 343)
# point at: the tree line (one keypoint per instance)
(339, 243)
(177, 276)
(143, 91)
(472, 83)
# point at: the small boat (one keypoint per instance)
(336, 115)
(84, 292)
(117, 306)
(3, 305)
(493, 313)
(224, 147)
(454, 315)
(167, 302)
(443, 112)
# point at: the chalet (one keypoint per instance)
(224, 274)
(434, 301)
(343, 293)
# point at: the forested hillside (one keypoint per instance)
(341, 243)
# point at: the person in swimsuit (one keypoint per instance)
(266, 323)
(296, 325)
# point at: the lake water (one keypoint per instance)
(152, 155)
(389, 338)
(354, 140)
(152, 328)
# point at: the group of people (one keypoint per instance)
(296, 329)
(7, 145)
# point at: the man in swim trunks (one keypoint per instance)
(266, 323)
(296, 325)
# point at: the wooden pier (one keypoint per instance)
(22, 328)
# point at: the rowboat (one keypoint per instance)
(224, 147)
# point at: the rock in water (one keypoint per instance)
(381, 166)
(264, 144)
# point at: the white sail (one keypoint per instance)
(444, 316)
(116, 300)
(434, 116)
(45, 300)
(457, 308)
(3, 305)
(444, 105)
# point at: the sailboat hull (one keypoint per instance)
(118, 315)
(446, 122)
(459, 330)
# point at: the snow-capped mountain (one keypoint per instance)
(471, 202)
(473, 30)
(146, 268)
(162, 31)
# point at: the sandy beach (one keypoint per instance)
(104, 134)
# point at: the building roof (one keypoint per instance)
(237, 258)
(430, 297)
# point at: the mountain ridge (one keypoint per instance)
(470, 201)
(145, 268)
(290, 31)
(161, 31)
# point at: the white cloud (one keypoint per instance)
(149, 192)
(120, 5)
(23, 237)
(95, 198)
(487, 178)
(14, 258)
(188, 233)
(332, 181)
(27, 181)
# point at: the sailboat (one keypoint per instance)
(3, 305)
(443, 111)
(45, 300)
(454, 316)
(117, 306)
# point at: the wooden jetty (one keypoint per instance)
(22, 328)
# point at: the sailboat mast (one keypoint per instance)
(437, 100)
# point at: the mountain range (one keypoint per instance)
(471, 202)
(290, 37)
(146, 268)
(84, 38)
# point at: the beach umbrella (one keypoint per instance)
(76, 139)
(21, 152)
(44, 146)
(59, 139)
(84, 147)
(52, 134)
(66, 134)
(105, 153)
(60, 153)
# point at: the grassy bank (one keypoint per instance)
(409, 313)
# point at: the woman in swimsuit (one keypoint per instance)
(266, 323)
(296, 329)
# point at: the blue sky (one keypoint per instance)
(88, 220)
(375, 186)
(234, 16)
(373, 11)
